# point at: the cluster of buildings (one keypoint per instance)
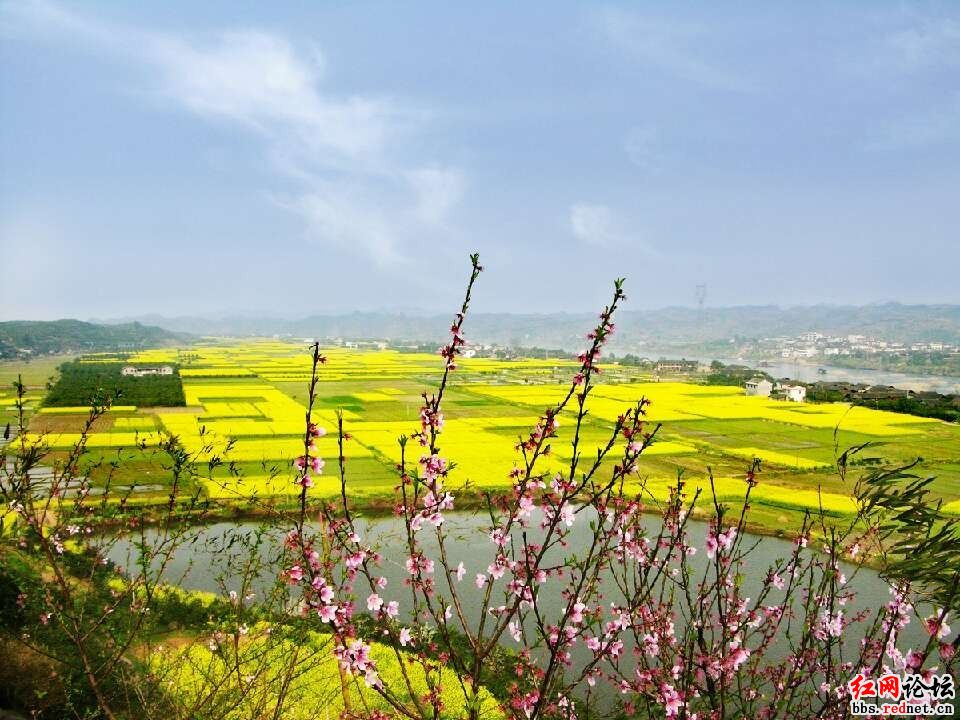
(853, 392)
(815, 344)
(781, 390)
(676, 366)
(133, 371)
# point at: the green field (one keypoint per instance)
(254, 392)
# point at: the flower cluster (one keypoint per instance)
(719, 541)
(306, 464)
(450, 351)
(354, 658)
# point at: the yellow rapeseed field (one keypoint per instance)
(253, 392)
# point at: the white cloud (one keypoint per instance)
(598, 225)
(438, 190)
(345, 219)
(593, 224)
(261, 82)
(670, 46)
(258, 79)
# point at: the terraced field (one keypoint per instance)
(251, 394)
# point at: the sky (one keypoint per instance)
(303, 158)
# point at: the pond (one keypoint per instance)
(209, 563)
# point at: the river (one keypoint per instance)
(808, 373)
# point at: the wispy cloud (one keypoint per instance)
(354, 190)
(641, 147)
(923, 43)
(919, 129)
(438, 191)
(593, 224)
(906, 40)
(670, 46)
(598, 225)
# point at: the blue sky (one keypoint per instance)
(305, 157)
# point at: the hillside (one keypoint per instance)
(654, 328)
(30, 338)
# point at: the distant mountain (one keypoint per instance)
(672, 326)
(27, 338)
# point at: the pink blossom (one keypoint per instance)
(936, 626)
(914, 659)
(526, 703)
(481, 580)
(405, 637)
(355, 560)
(314, 463)
(374, 602)
(525, 507)
(671, 700)
(355, 658)
(711, 545)
(393, 608)
(433, 466)
(738, 657)
(726, 538)
(497, 568)
(295, 574)
(460, 571)
(829, 625)
(419, 563)
(650, 645)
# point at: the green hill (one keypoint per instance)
(30, 338)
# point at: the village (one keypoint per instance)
(815, 344)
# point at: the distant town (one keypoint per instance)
(819, 345)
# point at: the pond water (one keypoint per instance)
(211, 560)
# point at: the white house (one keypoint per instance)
(794, 393)
(132, 371)
(758, 386)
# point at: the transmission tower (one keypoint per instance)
(701, 295)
